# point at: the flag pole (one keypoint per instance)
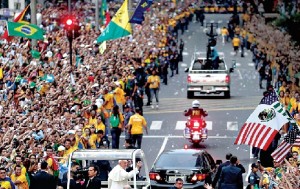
(33, 18)
(97, 16)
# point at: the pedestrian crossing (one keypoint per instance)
(181, 104)
(180, 125)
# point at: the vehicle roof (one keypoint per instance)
(202, 55)
(107, 154)
(184, 151)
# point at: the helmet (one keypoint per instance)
(196, 104)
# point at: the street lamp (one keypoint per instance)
(211, 33)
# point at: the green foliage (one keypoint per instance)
(291, 25)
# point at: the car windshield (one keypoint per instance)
(179, 161)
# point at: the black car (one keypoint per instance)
(192, 165)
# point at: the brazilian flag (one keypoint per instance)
(30, 31)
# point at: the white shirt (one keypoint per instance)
(118, 177)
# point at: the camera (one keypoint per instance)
(81, 173)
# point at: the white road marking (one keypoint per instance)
(220, 21)
(183, 65)
(180, 125)
(156, 125)
(240, 75)
(251, 64)
(181, 136)
(232, 125)
(212, 21)
(210, 110)
(246, 54)
(238, 64)
(163, 146)
(185, 53)
(209, 125)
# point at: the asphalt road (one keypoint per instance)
(226, 116)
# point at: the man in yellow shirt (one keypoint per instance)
(154, 84)
(68, 148)
(224, 33)
(108, 106)
(19, 179)
(108, 100)
(5, 182)
(135, 126)
(236, 44)
(18, 160)
(93, 119)
(100, 125)
(119, 95)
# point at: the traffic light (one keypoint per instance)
(71, 25)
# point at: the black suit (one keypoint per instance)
(43, 180)
(73, 184)
(94, 183)
(217, 177)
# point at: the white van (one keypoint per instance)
(87, 157)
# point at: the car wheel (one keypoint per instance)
(190, 94)
(227, 94)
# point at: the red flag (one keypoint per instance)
(257, 135)
(20, 18)
(107, 18)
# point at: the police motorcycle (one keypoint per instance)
(195, 130)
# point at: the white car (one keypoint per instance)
(208, 81)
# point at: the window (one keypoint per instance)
(17, 6)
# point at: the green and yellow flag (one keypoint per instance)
(102, 47)
(24, 30)
(118, 27)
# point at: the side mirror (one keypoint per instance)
(231, 70)
(186, 70)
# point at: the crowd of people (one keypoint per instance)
(276, 60)
(50, 108)
(230, 175)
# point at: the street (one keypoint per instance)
(226, 116)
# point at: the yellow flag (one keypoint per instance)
(102, 47)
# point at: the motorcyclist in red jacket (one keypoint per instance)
(195, 112)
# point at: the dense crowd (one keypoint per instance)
(50, 108)
(276, 59)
